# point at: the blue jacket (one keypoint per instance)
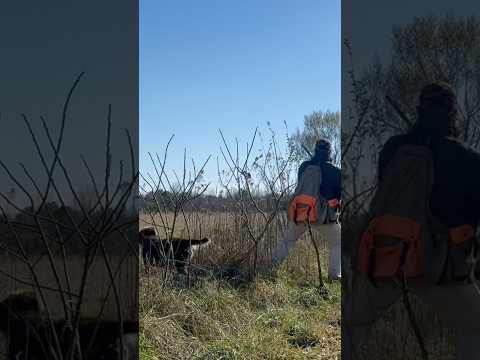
(455, 195)
(331, 187)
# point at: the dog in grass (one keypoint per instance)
(158, 252)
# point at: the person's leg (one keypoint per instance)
(332, 233)
(283, 247)
(458, 306)
(362, 306)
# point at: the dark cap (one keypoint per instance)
(323, 144)
(323, 149)
(439, 95)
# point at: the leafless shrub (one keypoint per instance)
(259, 186)
(78, 259)
(167, 211)
(245, 216)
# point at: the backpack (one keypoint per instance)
(402, 236)
(308, 205)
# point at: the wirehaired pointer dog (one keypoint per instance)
(156, 251)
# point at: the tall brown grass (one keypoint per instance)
(274, 316)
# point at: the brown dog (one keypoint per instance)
(156, 251)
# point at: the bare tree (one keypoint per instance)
(424, 51)
(260, 186)
(165, 212)
(317, 125)
(73, 249)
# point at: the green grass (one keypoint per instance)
(284, 317)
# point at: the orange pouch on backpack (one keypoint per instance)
(389, 244)
(303, 208)
(462, 239)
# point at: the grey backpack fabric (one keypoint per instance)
(405, 192)
(309, 181)
(309, 185)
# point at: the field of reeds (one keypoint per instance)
(277, 314)
(98, 301)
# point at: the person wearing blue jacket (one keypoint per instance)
(330, 189)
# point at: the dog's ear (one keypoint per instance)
(200, 241)
(150, 231)
(147, 233)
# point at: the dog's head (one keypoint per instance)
(146, 233)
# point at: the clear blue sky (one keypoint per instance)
(232, 65)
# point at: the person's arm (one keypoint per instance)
(301, 169)
(338, 184)
(386, 155)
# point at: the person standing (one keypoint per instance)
(430, 167)
(322, 180)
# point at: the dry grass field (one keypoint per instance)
(15, 277)
(278, 315)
